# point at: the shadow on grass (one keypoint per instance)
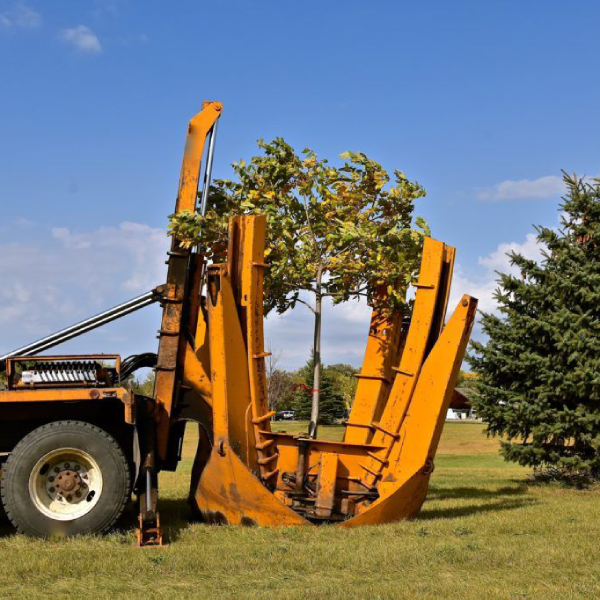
(505, 498)
(177, 515)
(452, 493)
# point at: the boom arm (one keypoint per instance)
(78, 329)
(179, 299)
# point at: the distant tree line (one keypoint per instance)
(292, 390)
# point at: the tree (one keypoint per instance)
(466, 379)
(280, 387)
(337, 232)
(280, 383)
(539, 383)
(332, 403)
(344, 380)
(145, 386)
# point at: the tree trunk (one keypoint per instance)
(314, 415)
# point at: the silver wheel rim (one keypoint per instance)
(65, 484)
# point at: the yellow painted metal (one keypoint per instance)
(246, 474)
(63, 394)
(231, 401)
(196, 369)
(407, 373)
(380, 472)
(447, 272)
(172, 345)
(404, 484)
(427, 412)
(228, 492)
(326, 484)
(376, 374)
(350, 457)
(251, 267)
(225, 488)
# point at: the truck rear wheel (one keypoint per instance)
(65, 478)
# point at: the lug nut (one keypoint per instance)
(67, 465)
(77, 467)
(50, 479)
(51, 490)
(69, 497)
(56, 469)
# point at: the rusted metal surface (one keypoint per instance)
(172, 343)
(427, 304)
(147, 537)
(74, 393)
(326, 487)
(405, 478)
(251, 266)
(376, 373)
(58, 368)
(149, 532)
(228, 492)
(63, 395)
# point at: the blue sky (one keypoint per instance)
(483, 103)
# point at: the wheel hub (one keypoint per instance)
(68, 482)
(65, 484)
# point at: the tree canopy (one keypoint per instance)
(337, 232)
(539, 384)
(343, 220)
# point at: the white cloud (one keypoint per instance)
(345, 328)
(82, 38)
(21, 16)
(66, 276)
(499, 260)
(480, 288)
(483, 287)
(137, 250)
(545, 187)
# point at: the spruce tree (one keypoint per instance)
(331, 402)
(540, 368)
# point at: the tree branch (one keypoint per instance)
(306, 304)
(350, 292)
(308, 222)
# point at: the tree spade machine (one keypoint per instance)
(76, 442)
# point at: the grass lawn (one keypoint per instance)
(483, 532)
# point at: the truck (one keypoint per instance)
(77, 444)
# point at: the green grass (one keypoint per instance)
(483, 532)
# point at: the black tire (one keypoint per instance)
(18, 503)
